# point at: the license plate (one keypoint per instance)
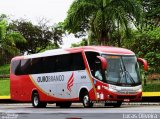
(126, 100)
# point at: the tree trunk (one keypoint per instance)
(104, 40)
(119, 42)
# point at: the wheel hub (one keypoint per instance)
(36, 101)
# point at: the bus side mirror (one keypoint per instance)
(144, 62)
(103, 62)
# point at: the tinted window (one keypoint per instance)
(63, 63)
(60, 63)
(91, 58)
(77, 62)
(49, 64)
(25, 66)
(36, 66)
(16, 67)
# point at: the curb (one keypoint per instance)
(5, 99)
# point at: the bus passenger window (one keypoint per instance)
(25, 66)
(77, 62)
(36, 65)
(49, 64)
(16, 67)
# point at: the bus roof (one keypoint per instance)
(100, 49)
(103, 49)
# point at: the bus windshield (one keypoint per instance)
(122, 70)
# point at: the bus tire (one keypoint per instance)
(86, 100)
(36, 101)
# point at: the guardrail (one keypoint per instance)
(4, 76)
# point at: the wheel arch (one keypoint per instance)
(82, 91)
(34, 91)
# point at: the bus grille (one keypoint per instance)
(127, 92)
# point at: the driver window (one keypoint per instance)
(91, 58)
(98, 71)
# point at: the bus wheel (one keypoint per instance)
(118, 104)
(36, 101)
(86, 101)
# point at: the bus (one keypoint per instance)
(88, 74)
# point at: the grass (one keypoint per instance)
(4, 87)
(152, 86)
(4, 83)
(4, 69)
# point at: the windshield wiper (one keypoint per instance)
(132, 80)
(121, 73)
(126, 73)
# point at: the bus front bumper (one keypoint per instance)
(124, 97)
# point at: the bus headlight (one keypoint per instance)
(139, 90)
(112, 90)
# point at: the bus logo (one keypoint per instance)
(70, 82)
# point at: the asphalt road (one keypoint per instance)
(126, 111)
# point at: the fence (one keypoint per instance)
(4, 76)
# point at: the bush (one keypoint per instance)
(146, 45)
(4, 70)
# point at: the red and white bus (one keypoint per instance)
(85, 74)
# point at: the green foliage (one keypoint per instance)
(82, 43)
(38, 37)
(146, 45)
(152, 85)
(4, 69)
(8, 41)
(101, 17)
(151, 88)
(151, 13)
(2, 29)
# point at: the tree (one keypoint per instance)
(146, 44)
(8, 41)
(81, 43)
(39, 37)
(151, 13)
(102, 17)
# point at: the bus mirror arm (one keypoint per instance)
(103, 62)
(144, 62)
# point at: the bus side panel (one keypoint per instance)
(92, 95)
(57, 88)
(21, 88)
